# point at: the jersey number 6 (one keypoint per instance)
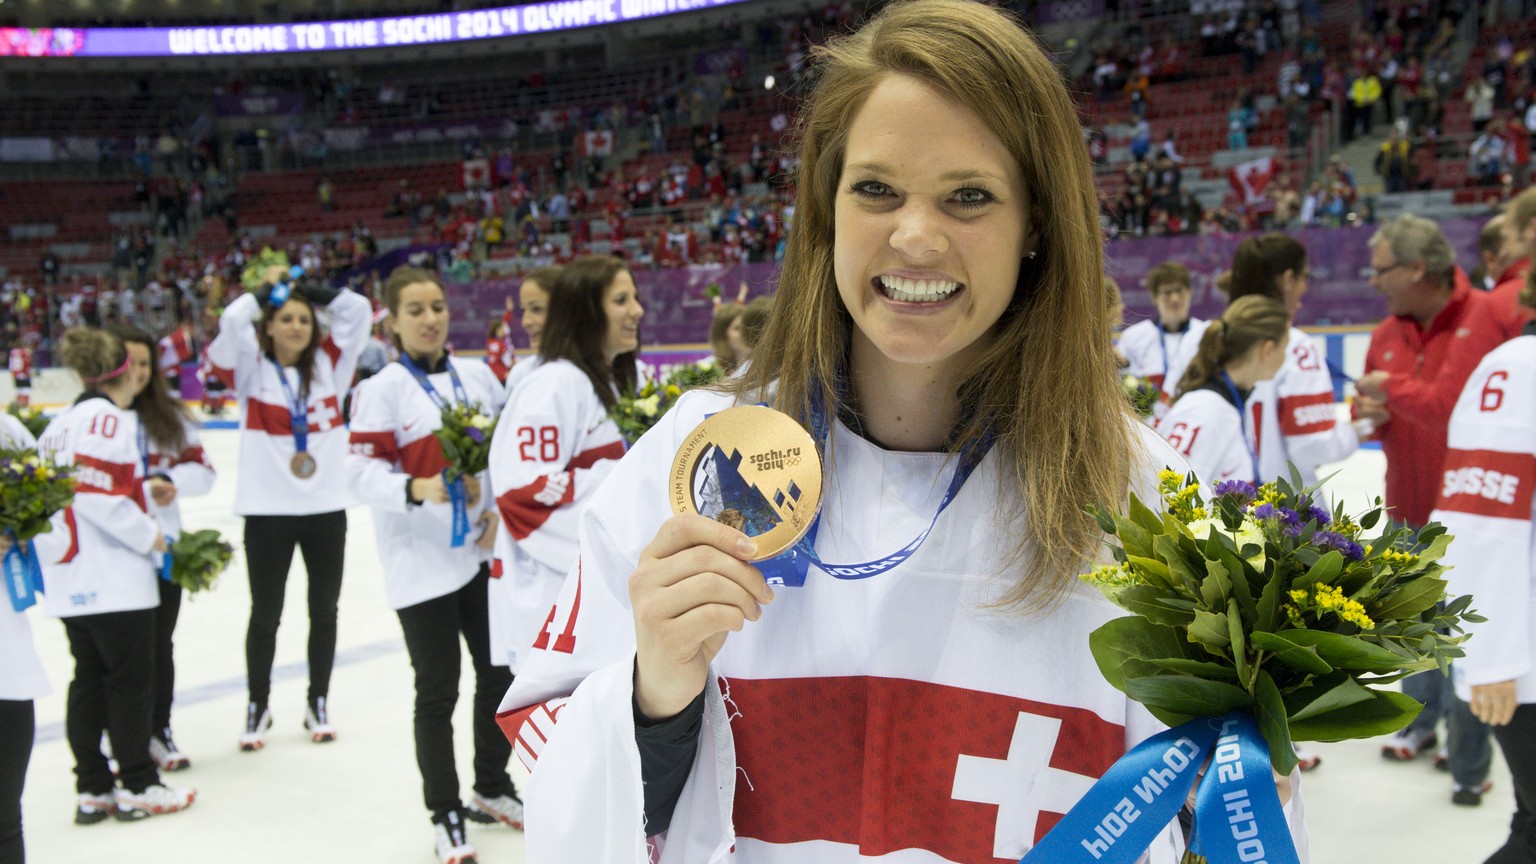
(1493, 397)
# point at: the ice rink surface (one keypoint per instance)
(359, 798)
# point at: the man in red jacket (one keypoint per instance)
(1436, 331)
(1519, 234)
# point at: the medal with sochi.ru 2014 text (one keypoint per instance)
(755, 469)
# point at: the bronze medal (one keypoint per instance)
(755, 469)
(303, 465)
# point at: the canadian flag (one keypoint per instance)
(598, 142)
(1250, 179)
(477, 173)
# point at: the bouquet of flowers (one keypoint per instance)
(465, 435)
(197, 559)
(1262, 601)
(1142, 394)
(636, 414)
(32, 489)
(30, 417)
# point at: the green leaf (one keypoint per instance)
(1302, 657)
(1115, 644)
(1331, 698)
(1217, 586)
(1347, 652)
(1324, 571)
(1268, 607)
(1183, 694)
(1211, 630)
(1152, 569)
(1147, 601)
(1197, 669)
(1410, 600)
(1386, 712)
(1269, 713)
(1239, 644)
(1178, 559)
(1136, 539)
(1105, 519)
(1369, 520)
(1143, 516)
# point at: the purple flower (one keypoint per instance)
(1290, 522)
(1238, 488)
(1345, 546)
(475, 435)
(1265, 511)
(1318, 515)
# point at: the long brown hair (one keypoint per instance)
(1056, 455)
(1259, 262)
(578, 324)
(719, 341)
(1247, 322)
(161, 414)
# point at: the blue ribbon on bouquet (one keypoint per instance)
(458, 498)
(1238, 816)
(165, 561)
(23, 574)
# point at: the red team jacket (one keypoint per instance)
(1429, 368)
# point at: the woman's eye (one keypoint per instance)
(870, 189)
(973, 197)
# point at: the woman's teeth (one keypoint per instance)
(917, 290)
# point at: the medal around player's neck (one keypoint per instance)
(755, 469)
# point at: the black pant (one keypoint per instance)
(1518, 741)
(113, 689)
(165, 663)
(432, 630)
(269, 542)
(18, 726)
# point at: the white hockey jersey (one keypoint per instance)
(1151, 349)
(521, 369)
(265, 484)
(21, 670)
(190, 470)
(1486, 503)
(1299, 414)
(1178, 361)
(1296, 411)
(554, 445)
(896, 716)
(393, 419)
(1207, 430)
(97, 556)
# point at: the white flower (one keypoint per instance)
(480, 421)
(1248, 534)
(649, 405)
(706, 364)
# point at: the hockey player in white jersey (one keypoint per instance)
(100, 580)
(1151, 345)
(290, 374)
(533, 297)
(22, 682)
(941, 282)
(555, 443)
(435, 548)
(1486, 503)
(1212, 424)
(175, 466)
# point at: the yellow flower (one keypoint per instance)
(648, 406)
(1110, 576)
(673, 391)
(1299, 595)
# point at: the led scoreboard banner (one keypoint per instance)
(335, 35)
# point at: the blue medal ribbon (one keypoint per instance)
(298, 410)
(458, 495)
(165, 561)
(23, 574)
(1242, 419)
(789, 568)
(1238, 816)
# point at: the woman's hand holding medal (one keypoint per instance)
(693, 586)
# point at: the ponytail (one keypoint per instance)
(1248, 322)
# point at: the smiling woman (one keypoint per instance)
(940, 327)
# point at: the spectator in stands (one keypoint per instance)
(1488, 153)
(1436, 331)
(1425, 167)
(1479, 95)
(325, 193)
(1364, 94)
(1392, 161)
